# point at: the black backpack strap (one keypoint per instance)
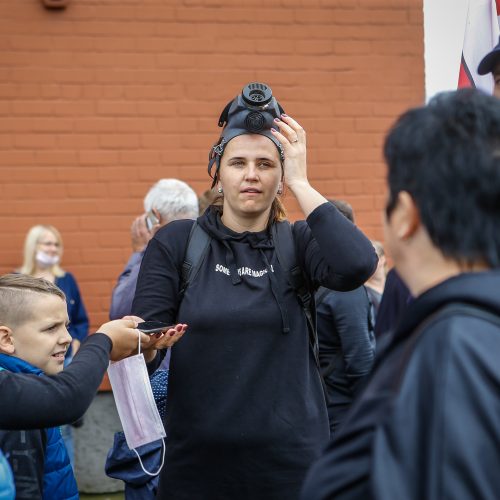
(371, 310)
(284, 245)
(321, 293)
(196, 250)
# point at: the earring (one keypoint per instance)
(280, 191)
(219, 190)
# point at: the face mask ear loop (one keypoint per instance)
(162, 460)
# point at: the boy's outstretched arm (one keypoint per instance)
(31, 401)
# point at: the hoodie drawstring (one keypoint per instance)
(275, 292)
(231, 263)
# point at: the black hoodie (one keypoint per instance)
(246, 412)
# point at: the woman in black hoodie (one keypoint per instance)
(246, 412)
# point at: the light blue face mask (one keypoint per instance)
(46, 260)
(135, 403)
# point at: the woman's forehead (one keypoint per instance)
(48, 235)
(251, 145)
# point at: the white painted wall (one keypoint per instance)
(449, 27)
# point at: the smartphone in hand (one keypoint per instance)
(151, 327)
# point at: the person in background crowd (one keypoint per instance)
(346, 341)
(167, 200)
(246, 411)
(426, 425)
(375, 285)
(395, 299)
(206, 199)
(43, 251)
(491, 64)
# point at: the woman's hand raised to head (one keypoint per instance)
(293, 140)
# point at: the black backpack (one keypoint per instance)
(197, 249)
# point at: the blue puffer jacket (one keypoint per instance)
(7, 490)
(58, 479)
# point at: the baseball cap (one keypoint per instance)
(490, 60)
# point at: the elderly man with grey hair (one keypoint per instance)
(167, 200)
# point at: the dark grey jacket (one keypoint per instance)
(346, 346)
(427, 425)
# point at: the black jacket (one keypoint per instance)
(32, 402)
(427, 426)
(246, 412)
(346, 346)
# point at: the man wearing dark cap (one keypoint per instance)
(491, 64)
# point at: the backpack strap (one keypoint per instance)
(284, 245)
(321, 293)
(196, 250)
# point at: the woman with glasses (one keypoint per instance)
(43, 249)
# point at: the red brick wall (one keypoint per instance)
(100, 100)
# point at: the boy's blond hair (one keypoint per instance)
(16, 297)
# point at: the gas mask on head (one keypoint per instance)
(251, 112)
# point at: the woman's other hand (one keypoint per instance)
(164, 340)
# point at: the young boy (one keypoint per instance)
(34, 339)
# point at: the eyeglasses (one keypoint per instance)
(49, 244)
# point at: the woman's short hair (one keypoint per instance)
(30, 244)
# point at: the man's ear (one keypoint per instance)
(6, 341)
(156, 214)
(161, 220)
(405, 216)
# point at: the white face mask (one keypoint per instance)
(135, 403)
(46, 260)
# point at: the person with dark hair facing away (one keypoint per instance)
(426, 425)
(246, 413)
(346, 341)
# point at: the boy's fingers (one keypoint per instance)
(146, 339)
(134, 318)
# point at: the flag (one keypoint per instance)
(481, 35)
